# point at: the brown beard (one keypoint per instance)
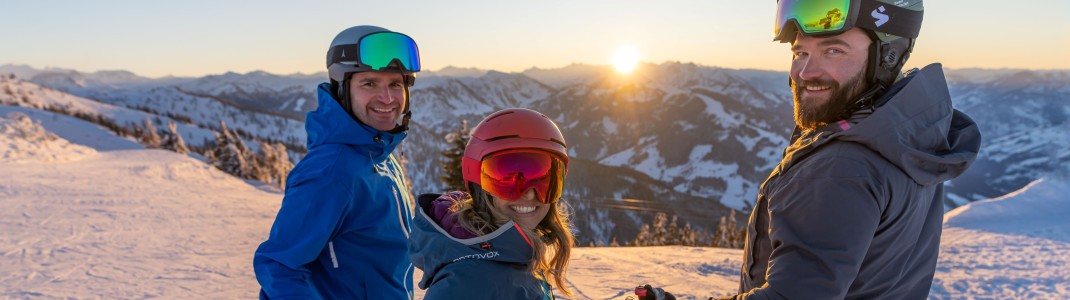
(810, 116)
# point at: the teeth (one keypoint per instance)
(383, 110)
(816, 88)
(524, 209)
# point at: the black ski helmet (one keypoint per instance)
(893, 25)
(371, 48)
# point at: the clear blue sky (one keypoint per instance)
(196, 37)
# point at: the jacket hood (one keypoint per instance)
(431, 247)
(918, 130)
(331, 124)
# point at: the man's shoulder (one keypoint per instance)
(842, 159)
(331, 161)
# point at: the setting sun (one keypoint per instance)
(625, 58)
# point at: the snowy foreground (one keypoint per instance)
(85, 214)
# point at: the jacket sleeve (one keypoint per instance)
(454, 281)
(311, 211)
(821, 224)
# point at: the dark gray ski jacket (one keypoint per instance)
(854, 209)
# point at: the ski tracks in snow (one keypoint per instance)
(687, 272)
(129, 224)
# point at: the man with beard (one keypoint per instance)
(854, 210)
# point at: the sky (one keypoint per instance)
(198, 37)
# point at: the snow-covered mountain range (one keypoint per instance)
(673, 137)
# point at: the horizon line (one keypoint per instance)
(474, 69)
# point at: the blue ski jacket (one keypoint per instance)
(492, 266)
(343, 227)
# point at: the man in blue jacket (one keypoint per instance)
(343, 227)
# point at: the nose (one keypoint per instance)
(388, 94)
(528, 196)
(807, 68)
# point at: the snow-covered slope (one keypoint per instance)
(1012, 247)
(124, 223)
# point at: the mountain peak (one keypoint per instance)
(452, 71)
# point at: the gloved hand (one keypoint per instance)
(647, 292)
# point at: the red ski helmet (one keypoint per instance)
(511, 129)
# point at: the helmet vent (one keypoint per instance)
(498, 115)
(503, 137)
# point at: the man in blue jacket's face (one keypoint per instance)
(377, 98)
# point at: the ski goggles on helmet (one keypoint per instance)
(510, 174)
(830, 17)
(379, 50)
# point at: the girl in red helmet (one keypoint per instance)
(509, 236)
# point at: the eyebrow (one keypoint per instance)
(365, 79)
(826, 43)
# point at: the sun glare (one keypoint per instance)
(625, 58)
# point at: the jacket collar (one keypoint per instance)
(916, 129)
(331, 124)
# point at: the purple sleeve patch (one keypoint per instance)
(441, 214)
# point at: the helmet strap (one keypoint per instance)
(886, 60)
(406, 114)
(341, 91)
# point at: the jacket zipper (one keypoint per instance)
(334, 258)
(401, 214)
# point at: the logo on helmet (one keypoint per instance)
(878, 14)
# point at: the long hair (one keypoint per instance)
(554, 243)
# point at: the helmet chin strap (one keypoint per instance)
(886, 60)
(342, 95)
(405, 116)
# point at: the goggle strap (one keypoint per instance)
(346, 53)
(890, 19)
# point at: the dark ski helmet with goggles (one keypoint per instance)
(369, 48)
(893, 25)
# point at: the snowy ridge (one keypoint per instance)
(23, 140)
(74, 130)
(261, 104)
(27, 94)
(207, 112)
(1024, 211)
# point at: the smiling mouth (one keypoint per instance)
(523, 209)
(817, 88)
(382, 110)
